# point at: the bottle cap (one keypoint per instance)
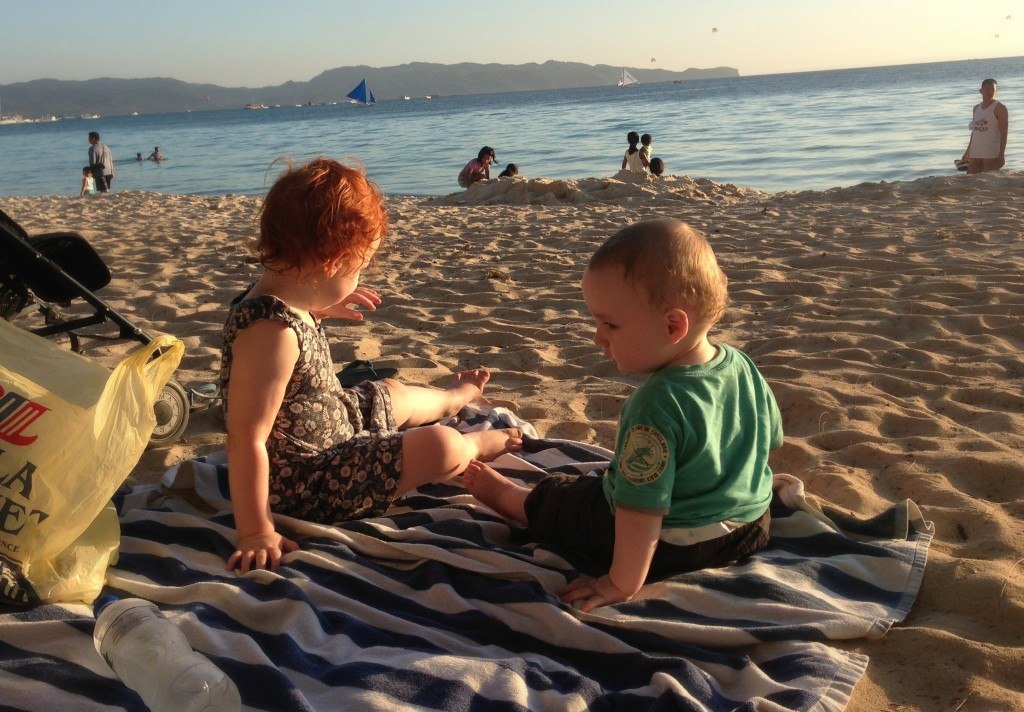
(101, 603)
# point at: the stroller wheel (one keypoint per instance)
(171, 410)
(13, 298)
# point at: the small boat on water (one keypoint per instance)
(256, 106)
(407, 98)
(362, 95)
(626, 79)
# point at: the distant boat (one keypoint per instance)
(626, 79)
(5, 119)
(407, 98)
(362, 95)
(89, 116)
(256, 106)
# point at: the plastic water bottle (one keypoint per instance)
(153, 657)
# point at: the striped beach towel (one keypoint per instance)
(440, 605)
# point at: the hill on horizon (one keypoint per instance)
(109, 96)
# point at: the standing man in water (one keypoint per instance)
(989, 127)
(101, 162)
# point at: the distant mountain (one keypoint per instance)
(46, 97)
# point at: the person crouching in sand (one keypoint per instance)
(298, 443)
(689, 485)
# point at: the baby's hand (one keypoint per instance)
(592, 592)
(260, 551)
(362, 296)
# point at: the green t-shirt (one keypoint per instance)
(693, 444)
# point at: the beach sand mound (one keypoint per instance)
(623, 186)
(885, 316)
(952, 188)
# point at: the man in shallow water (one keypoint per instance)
(989, 127)
(101, 163)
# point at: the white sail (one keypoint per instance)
(626, 79)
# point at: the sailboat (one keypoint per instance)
(362, 95)
(626, 79)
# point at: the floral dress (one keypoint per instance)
(335, 453)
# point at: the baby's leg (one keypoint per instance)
(496, 491)
(414, 405)
(435, 453)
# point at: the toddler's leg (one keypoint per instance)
(496, 491)
(435, 453)
(414, 405)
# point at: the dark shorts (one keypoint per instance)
(572, 513)
(99, 179)
(354, 479)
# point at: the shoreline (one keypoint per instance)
(495, 190)
(885, 316)
(453, 197)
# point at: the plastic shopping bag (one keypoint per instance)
(70, 433)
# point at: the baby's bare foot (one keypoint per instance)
(496, 491)
(467, 387)
(492, 443)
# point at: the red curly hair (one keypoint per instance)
(322, 213)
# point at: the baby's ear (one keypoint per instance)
(331, 268)
(678, 323)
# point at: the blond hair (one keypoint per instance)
(672, 263)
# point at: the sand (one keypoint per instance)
(887, 318)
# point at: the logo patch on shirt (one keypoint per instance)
(644, 455)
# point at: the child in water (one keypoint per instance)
(88, 182)
(646, 149)
(632, 159)
(298, 443)
(511, 170)
(689, 485)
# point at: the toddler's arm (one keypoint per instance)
(636, 537)
(264, 356)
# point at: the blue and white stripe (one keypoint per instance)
(441, 606)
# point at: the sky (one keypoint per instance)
(256, 43)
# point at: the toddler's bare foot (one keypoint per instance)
(496, 491)
(491, 443)
(468, 386)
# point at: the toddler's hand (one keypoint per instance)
(260, 551)
(592, 592)
(362, 296)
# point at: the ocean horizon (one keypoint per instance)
(773, 132)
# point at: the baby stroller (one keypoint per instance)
(42, 272)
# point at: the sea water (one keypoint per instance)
(812, 130)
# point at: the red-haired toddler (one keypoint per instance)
(298, 443)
